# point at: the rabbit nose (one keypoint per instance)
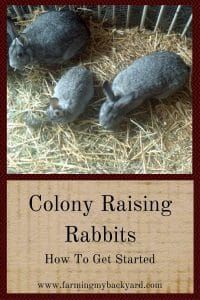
(14, 66)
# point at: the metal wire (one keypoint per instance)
(30, 9)
(114, 14)
(159, 17)
(174, 19)
(17, 11)
(128, 15)
(187, 26)
(99, 12)
(144, 13)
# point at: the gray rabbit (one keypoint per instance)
(157, 75)
(53, 38)
(71, 95)
(11, 34)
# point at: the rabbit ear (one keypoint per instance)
(17, 40)
(128, 101)
(54, 102)
(108, 91)
(22, 40)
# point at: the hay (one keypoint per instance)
(155, 138)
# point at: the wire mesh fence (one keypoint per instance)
(177, 18)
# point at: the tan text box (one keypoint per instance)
(74, 237)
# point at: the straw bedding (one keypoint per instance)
(154, 138)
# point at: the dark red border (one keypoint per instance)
(196, 159)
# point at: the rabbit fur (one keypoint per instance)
(71, 95)
(53, 38)
(157, 75)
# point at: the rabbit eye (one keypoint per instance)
(57, 113)
(20, 54)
